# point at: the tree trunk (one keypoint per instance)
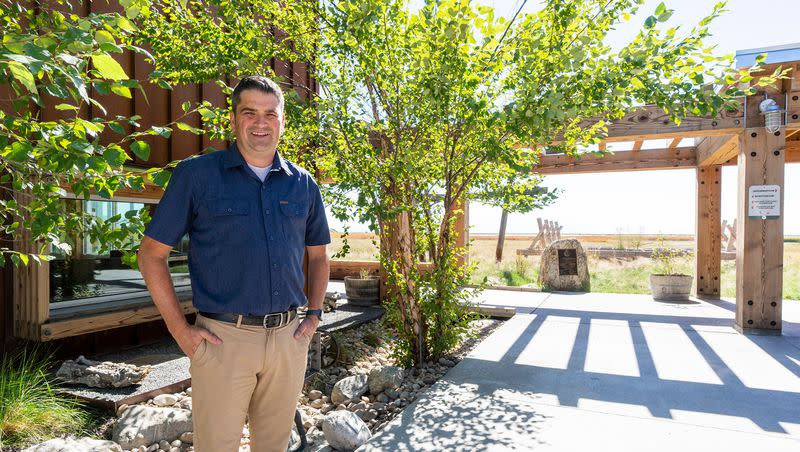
(398, 247)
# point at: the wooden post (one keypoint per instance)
(462, 230)
(707, 232)
(501, 238)
(759, 242)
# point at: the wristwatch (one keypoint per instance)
(316, 312)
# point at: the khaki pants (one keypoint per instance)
(255, 374)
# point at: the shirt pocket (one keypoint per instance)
(294, 220)
(228, 207)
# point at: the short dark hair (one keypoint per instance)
(260, 83)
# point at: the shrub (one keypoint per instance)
(31, 410)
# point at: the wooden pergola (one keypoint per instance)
(735, 138)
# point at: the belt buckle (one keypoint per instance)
(264, 322)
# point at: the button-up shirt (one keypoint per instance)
(246, 237)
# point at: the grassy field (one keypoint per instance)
(607, 275)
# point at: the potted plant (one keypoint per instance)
(667, 284)
(362, 290)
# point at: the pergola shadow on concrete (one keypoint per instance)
(599, 371)
(706, 144)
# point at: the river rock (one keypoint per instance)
(144, 425)
(75, 445)
(349, 388)
(384, 377)
(345, 430)
(563, 267)
(165, 400)
(101, 374)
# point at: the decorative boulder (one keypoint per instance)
(345, 430)
(145, 425)
(349, 388)
(384, 377)
(75, 445)
(100, 374)
(563, 267)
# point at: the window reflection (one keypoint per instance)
(87, 274)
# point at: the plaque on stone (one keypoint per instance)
(567, 262)
(564, 267)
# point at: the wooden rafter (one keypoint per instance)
(650, 122)
(637, 145)
(675, 142)
(651, 159)
(717, 150)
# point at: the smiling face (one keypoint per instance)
(257, 124)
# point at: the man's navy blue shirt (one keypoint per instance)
(246, 237)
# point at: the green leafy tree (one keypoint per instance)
(419, 110)
(54, 59)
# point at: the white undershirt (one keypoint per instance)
(260, 172)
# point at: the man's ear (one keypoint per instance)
(233, 120)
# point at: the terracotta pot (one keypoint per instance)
(362, 292)
(670, 287)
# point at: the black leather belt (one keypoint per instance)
(273, 320)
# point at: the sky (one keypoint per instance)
(653, 202)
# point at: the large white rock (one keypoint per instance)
(345, 430)
(554, 269)
(101, 374)
(165, 400)
(384, 377)
(349, 388)
(75, 445)
(144, 425)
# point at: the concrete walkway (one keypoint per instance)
(608, 372)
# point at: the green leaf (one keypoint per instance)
(141, 149)
(23, 75)
(650, 22)
(24, 259)
(188, 128)
(102, 36)
(163, 131)
(661, 9)
(761, 58)
(637, 83)
(20, 151)
(121, 91)
(161, 178)
(108, 67)
(66, 107)
(115, 156)
(186, 106)
(116, 127)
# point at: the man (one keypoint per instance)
(250, 216)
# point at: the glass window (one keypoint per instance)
(88, 275)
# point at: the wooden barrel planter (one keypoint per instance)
(362, 291)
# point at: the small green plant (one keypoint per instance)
(31, 410)
(363, 273)
(521, 265)
(666, 259)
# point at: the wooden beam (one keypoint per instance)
(759, 242)
(650, 122)
(652, 159)
(675, 142)
(792, 152)
(90, 324)
(31, 284)
(707, 232)
(637, 145)
(717, 150)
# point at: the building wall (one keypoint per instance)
(158, 108)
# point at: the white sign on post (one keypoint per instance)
(764, 202)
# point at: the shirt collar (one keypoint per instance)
(233, 158)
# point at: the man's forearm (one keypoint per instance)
(319, 273)
(159, 282)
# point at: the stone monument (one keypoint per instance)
(563, 267)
